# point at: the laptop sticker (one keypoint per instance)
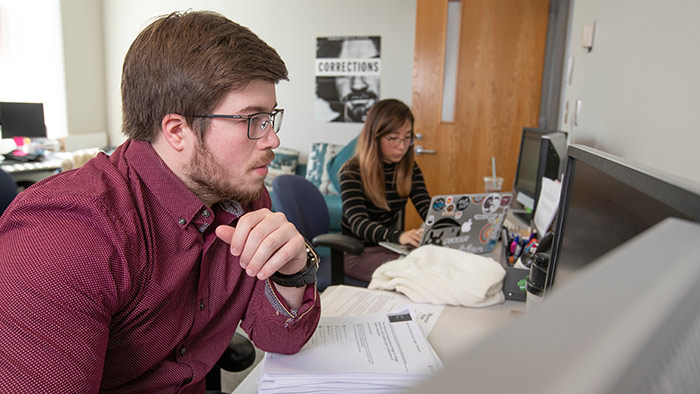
(463, 203)
(505, 200)
(438, 204)
(492, 203)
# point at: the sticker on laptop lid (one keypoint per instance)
(463, 203)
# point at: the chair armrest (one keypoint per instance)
(340, 242)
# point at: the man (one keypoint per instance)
(132, 272)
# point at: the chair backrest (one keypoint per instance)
(8, 190)
(303, 204)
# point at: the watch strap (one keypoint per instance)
(305, 276)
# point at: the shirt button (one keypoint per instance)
(206, 214)
(201, 306)
(183, 351)
(182, 221)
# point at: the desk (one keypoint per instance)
(455, 329)
(26, 174)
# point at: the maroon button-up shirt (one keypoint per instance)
(112, 279)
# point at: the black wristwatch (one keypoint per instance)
(303, 277)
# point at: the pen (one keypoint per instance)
(530, 245)
(509, 238)
(532, 235)
(518, 250)
(506, 245)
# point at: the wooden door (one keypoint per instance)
(499, 78)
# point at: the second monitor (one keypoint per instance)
(22, 120)
(542, 154)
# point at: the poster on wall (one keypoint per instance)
(347, 73)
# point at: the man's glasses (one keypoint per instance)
(258, 124)
(396, 141)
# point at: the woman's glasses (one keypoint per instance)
(399, 141)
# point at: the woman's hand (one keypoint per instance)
(411, 237)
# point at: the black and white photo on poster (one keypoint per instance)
(348, 71)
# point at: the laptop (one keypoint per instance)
(468, 222)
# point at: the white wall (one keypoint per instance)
(83, 53)
(291, 27)
(639, 85)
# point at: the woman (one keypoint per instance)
(375, 185)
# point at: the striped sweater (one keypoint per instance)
(366, 221)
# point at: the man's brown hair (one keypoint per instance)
(185, 63)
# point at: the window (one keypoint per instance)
(31, 58)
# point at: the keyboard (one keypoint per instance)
(21, 157)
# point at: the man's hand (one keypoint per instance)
(266, 243)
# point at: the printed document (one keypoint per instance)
(369, 353)
(350, 300)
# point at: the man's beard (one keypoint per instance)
(210, 181)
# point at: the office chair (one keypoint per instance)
(238, 356)
(8, 190)
(304, 206)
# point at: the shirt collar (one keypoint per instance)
(167, 188)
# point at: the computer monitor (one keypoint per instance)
(541, 155)
(22, 120)
(605, 201)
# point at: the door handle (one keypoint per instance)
(420, 150)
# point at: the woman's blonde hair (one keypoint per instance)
(385, 117)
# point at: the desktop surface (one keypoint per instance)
(456, 329)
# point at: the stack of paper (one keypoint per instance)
(378, 353)
(341, 300)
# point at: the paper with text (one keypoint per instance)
(368, 353)
(547, 205)
(349, 300)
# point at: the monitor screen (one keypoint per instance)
(526, 177)
(22, 120)
(606, 201)
(541, 155)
